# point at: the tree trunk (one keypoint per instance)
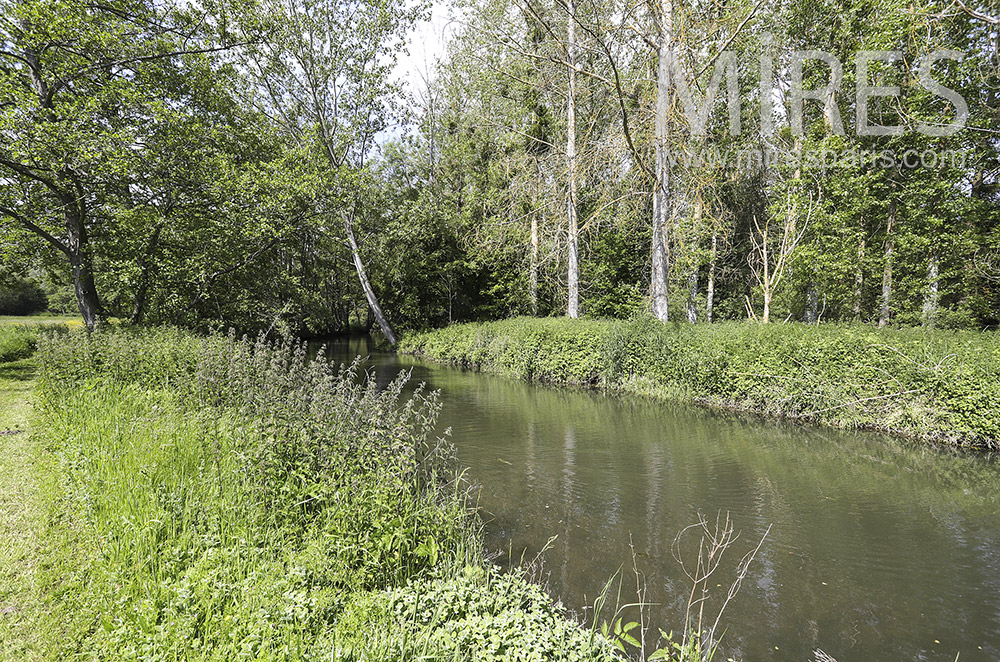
(883, 317)
(809, 315)
(573, 276)
(692, 307)
(931, 296)
(86, 291)
(765, 282)
(533, 267)
(710, 294)
(659, 290)
(359, 266)
(81, 266)
(859, 278)
(145, 265)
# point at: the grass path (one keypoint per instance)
(22, 516)
(40, 558)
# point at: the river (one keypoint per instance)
(879, 549)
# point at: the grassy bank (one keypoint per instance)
(217, 499)
(942, 386)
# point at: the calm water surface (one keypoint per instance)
(878, 550)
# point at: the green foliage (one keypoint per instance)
(614, 274)
(694, 649)
(478, 615)
(21, 297)
(234, 498)
(19, 341)
(16, 342)
(936, 385)
(547, 350)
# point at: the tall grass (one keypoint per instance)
(19, 341)
(235, 500)
(937, 385)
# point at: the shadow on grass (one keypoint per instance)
(18, 371)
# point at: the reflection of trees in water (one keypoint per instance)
(905, 537)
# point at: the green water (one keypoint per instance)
(878, 549)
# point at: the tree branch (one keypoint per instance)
(36, 229)
(993, 20)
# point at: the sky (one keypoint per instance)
(425, 44)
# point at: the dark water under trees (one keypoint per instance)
(878, 550)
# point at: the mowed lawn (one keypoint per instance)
(15, 320)
(21, 513)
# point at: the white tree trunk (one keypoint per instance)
(810, 314)
(533, 265)
(359, 266)
(692, 302)
(710, 294)
(932, 295)
(859, 277)
(662, 207)
(883, 316)
(573, 275)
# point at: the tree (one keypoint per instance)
(84, 88)
(573, 267)
(321, 70)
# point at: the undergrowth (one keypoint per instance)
(18, 341)
(225, 499)
(942, 386)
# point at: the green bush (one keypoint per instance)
(20, 341)
(482, 616)
(938, 385)
(16, 343)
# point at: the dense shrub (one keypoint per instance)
(19, 341)
(933, 384)
(16, 343)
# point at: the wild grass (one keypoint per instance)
(226, 499)
(19, 516)
(942, 386)
(19, 341)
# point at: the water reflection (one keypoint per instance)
(878, 548)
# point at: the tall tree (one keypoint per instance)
(322, 70)
(573, 267)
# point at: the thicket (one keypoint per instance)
(22, 297)
(227, 499)
(937, 385)
(16, 343)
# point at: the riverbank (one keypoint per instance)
(209, 498)
(938, 386)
